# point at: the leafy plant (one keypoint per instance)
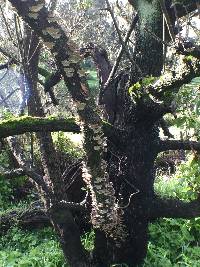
(64, 144)
(20, 248)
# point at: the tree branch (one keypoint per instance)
(13, 173)
(28, 219)
(122, 42)
(173, 208)
(21, 159)
(100, 58)
(121, 51)
(172, 83)
(178, 145)
(25, 124)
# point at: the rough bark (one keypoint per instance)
(148, 50)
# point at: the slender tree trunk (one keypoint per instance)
(61, 219)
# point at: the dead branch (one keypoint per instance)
(121, 50)
(121, 39)
(28, 219)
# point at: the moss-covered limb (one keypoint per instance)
(20, 125)
(16, 126)
(190, 53)
(171, 83)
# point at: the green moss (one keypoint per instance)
(20, 125)
(149, 80)
(188, 59)
(28, 120)
(134, 88)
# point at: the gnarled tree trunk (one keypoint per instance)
(129, 162)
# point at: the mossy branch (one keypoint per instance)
(172, 82)
(21, 125)
(16, 126)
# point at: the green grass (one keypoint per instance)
(20, 248)
(174, 242)
(37, 248)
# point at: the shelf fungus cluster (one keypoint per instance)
(105, 211)
(34, 9)
(70, 65)
(54, 32)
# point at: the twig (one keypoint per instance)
(156, 37)
(20, 157)
(121, 39)
(18, 38)
(121, 51)
(7, 26)
(35, 50)
(129, 201)
(29, 46)
(67, 171)
(168, 21)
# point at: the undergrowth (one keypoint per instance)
(172, 242)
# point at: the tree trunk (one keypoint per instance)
(148, 50)
(132, 173)
(69, 237)
(131, 163)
